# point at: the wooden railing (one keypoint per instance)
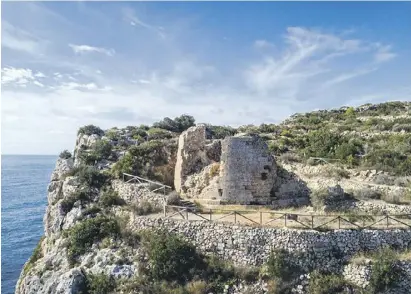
(291, 220)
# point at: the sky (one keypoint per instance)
(69, 64)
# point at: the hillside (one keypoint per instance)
(105, 231)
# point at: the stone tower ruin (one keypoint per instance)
(238, 169)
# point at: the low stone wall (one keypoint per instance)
(371, 207)
(133, 193)
(360, 275)
(252, 246)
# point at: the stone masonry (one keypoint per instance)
(238, 170)
(248, 170)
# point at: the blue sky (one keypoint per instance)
(67, 64)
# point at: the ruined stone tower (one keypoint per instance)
(237, 169)
(248, 170)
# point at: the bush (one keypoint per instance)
(65, 154)
(158, 134)
(280, 265)
(110, 197)
(82, 195)
(220, 132)
(171, 258)
(92, 211)
(89, 176)
(326, 283)
(173, 198)
(318, 198)
(384, 272)
(100, 284)
(90, 130)
(36, 255)
(289, 157)
(178, 125)
(366, 194)
(384, 180)
(113, 135)
(144, 208)
(84, 234)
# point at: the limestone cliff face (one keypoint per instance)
(48, 270)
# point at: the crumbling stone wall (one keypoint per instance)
(248, 170)
(238, 169)
(191, 155)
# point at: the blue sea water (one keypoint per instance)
(24, 180)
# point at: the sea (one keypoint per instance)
(24, 180)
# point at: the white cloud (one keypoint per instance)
(384, 53)
(17, 39)
(347, 76)
(15, 75)
(81, 49)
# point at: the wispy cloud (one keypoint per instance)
(347, 76)
(17, 39)
(82, 49)
(130, 16)
(384, 53)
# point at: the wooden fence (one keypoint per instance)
(291, 220)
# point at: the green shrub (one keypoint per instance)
(65, 154)
(289, 157)
(82, 195)
(142, 160)
(280, 265)
(144, 208)
(92, 210)
(178, 125)
(113, 135)
(350, 112)
(173, 198)
(220, 132)
(84, 234)
(110, 197)
(366, 194)
(36, 255)
(90, 130)
(125, 165)
(158, 134)
(171, 258)
(102, 149)
(318, 198)
(89, 176)
(326, 283)
(384, 272)
(100, 284)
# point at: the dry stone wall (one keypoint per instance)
(252, 246)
